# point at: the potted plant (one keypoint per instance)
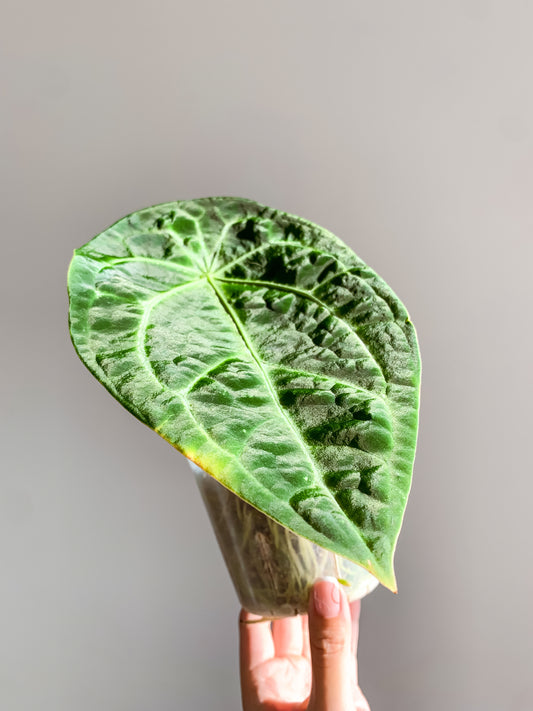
(262, 348)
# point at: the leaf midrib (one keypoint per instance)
(268, 382)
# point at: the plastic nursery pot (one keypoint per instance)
(272, 568)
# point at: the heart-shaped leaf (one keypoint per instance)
(265, 350)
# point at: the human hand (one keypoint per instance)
(304, 663)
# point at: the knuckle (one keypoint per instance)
(327, 643)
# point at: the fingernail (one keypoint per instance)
(327, 598)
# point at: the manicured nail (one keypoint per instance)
(327, 598)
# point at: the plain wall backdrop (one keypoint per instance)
(406, 128)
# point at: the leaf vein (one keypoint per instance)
(284, 243)
(143, 326)
(321, 376)
(205, 373)
(305, 295)
(152, 260)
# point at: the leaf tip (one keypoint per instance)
(385, 576)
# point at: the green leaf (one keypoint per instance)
(265, 350)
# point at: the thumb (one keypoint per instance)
(330, 642)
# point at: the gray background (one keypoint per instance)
(404, 127)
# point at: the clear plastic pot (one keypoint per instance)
(272, 568)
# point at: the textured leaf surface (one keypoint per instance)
(265, 350)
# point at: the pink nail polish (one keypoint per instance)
(327, 598)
